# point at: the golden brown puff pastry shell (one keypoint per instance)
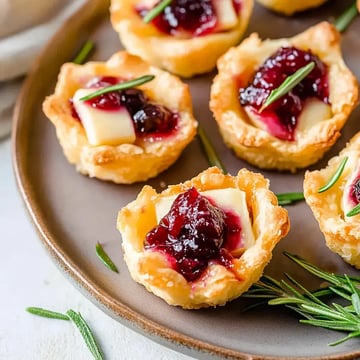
(125, 163)
(342, 233)
(257, 146)
(217, 285)
(287, 7)
(182, 56)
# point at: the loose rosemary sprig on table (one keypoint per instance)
(86, 333)
(308, 304)
(47, 313)
(77, 319)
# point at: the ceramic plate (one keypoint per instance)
(73, 212)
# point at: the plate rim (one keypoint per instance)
(85, 15)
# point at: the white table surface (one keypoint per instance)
(28, 277)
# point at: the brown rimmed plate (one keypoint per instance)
(72, 212)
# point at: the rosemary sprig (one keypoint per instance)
(121, 86)
(86, 333)
(209, 150)
(308, 304)
(335, 177)
(157, 10)
(289, 198)
(104, 257)
(345, 19)
(354, 211)
(47, 313)
(289, 83)
(78, 321)
(84, 52)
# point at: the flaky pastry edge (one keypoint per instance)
(184, 57)
(125, 163)
(217, 285)
(257, 146)
(342, 234)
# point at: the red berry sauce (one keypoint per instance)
(196, 17)
(194, 233)
(281, 116)
(149, 119)
(354, 194)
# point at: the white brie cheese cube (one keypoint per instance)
(313, 112)
(255, 118)
(104, 127)
(234, 200)
(226, 15)
(229, 199)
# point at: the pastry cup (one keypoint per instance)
(217, 285)
(257, 146)
(124, 163)
(341, 232)
(182, 56)
(290, 7)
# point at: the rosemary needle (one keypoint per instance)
(47, 313)
(354, 211)
(345, 19)
(289, 198)
(104, 257)
(86, 333)
(78, 321)
(289, 83)
(84, 52)
(121, 86)
(335, 177)
(157, 10)
(209, 150)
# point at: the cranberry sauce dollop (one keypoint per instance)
(284, 112)
(148, 118)
(355, 190)
(195, 17)
(193, 233)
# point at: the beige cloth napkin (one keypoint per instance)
(25, 27)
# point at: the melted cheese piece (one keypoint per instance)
(104, 127)
(230, 199)
(313, 112)
(225, 12)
